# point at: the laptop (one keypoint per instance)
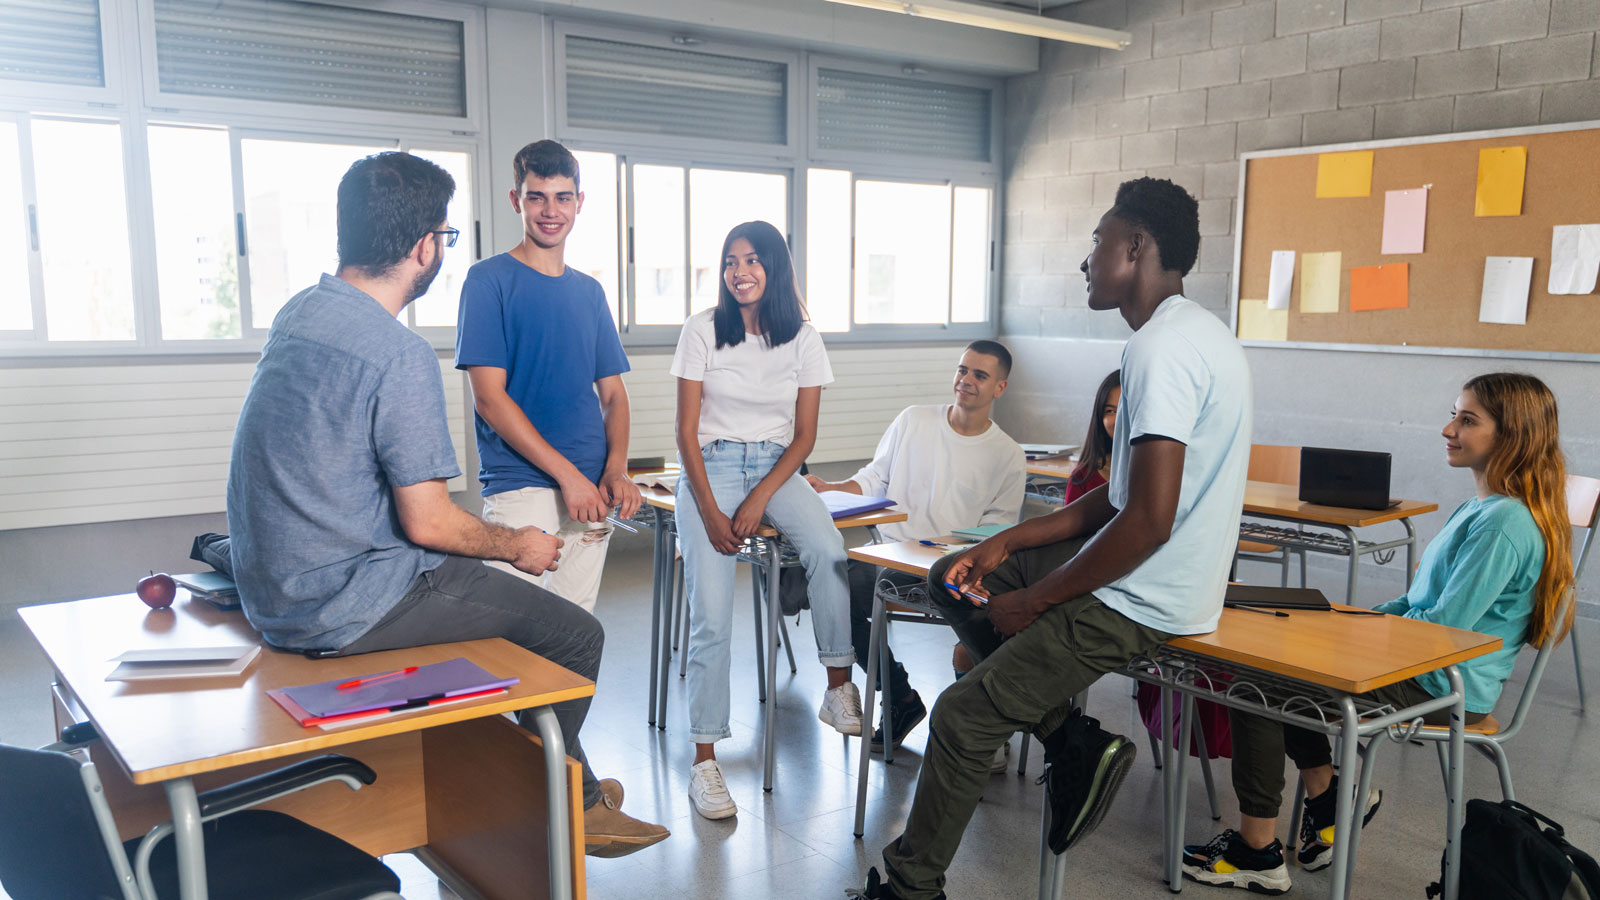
(1355, 479)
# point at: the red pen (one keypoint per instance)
(359, 682)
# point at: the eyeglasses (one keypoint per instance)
(450, 235)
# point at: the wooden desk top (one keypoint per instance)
(666, 501)
(1053, 467)
(1266, 498)
(1347, 653)
(161, 730)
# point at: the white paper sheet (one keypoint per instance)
(1574, 258)
(1506, 280)
(1280, 281)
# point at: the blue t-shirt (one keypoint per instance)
(1478, 573)
(345, 404)
(555, 339)
(1184, 377)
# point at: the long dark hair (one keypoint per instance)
(781, 310)
(1097, 444)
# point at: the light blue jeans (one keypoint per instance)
(733, 470)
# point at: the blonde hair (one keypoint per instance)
(1526, 463)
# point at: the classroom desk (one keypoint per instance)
(1281, 502)
(768, 550)
(490, 807)
(1305, 669)
(1047, 477)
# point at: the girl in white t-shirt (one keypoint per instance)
(750, 373)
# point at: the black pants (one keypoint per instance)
(864, 578)
(465, 600)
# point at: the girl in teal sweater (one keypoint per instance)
(1499, 566)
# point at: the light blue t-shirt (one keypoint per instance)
(1184, 377)
(555, 339)
(1478, 573)
(346, 404)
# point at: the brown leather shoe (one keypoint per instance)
(611, 792)
(608, 832)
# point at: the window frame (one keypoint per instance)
(113, 62)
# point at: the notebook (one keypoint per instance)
(1046, 451)
(162, 663)
(979, 532)
(1354, 479)
(844, 503)
(436, 681)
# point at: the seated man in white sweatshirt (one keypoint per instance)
(947, 466)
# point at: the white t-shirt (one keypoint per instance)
(749, 389)
(941, 479)
(1185, 377)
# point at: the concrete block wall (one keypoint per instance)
(1207, 80)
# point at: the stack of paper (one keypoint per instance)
(844, 503)
(1047, 451)
(184, 662)
(386, 693)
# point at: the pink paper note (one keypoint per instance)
(1405, 213)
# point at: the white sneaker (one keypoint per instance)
(709, 792)
(841, 708)
(1002, 759)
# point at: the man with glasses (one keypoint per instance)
(537, 339)
(344, 537)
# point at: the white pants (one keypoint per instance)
(583, 550)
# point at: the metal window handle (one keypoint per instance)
(238, 228)
(33, 227)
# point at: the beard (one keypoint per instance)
(421, 283)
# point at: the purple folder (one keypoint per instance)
(436, 681)
(844, 503)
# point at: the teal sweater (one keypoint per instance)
(1479, 574)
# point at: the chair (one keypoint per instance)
(1276, 464)
(58, 838)
(1583, 507)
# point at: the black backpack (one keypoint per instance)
(1506, 856)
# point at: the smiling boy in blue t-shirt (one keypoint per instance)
(551, 412)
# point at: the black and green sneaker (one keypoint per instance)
(1316, 825)
(1230, 862)
(1084, 767)
(876, 888)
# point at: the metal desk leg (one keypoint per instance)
(1181, 793)
(1456, 804)
(669, 568)
(1345, 815)
(1369, 755)
(555, 778)
(1168, 826)
(771, 741)
(187, 838)
(1411, 553)
(1355, 564)
(868, 696)
(656, 539)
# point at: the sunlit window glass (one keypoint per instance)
(718, 200)
(658, 245)
(592, 243)
(16, 303)
(290, 204)
(902, 252)
(828, 249)
(197, 265)
(969, 263)
(83, 230)
(438, 307)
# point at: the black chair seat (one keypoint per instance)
(263, 855)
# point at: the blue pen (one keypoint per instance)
(976, 598)
(927, 543)
(621, 524)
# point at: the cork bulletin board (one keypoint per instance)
(1279, 210)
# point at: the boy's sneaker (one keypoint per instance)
(709, 792)
(841, 708)
(1230, 862)
(1316, 826)
(1084, 766)
(876, 888)
(904, 715)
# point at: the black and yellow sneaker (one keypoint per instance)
(1230, 862)
(1084, 766)
(1316, 826)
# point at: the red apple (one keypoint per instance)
(157, 590)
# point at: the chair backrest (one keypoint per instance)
(1274, 463)
(56, 841)
(1583, 506)
(1536, 673)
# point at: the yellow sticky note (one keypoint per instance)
(1344, 174)
(1500, 174)
(1319, 282)
(1257, 323)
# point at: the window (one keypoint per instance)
(720, 199)
(197, 255)
(439, 306)
(82, 216)
(593, 245)
(16, 296)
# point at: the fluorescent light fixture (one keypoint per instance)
(981, 15)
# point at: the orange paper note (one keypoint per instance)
(1344, 174)
(1380, 287)
(1500, 174)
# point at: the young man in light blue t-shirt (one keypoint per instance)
(537, 340)
(1086, 589)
